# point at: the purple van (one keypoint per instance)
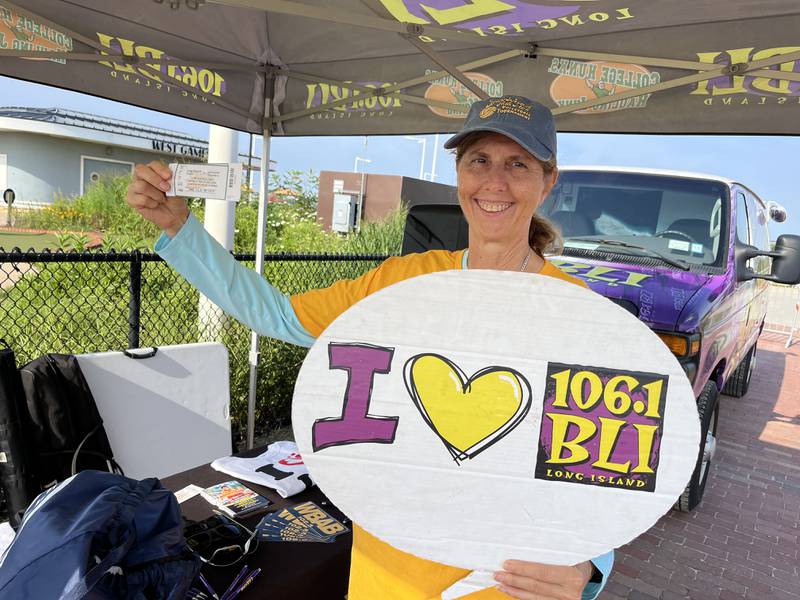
(687, 254)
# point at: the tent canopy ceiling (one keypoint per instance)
(346, 67)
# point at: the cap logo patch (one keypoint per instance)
(507, 105)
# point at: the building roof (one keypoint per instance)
(82, 126)
(88, 121)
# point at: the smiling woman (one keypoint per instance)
(500, 187)
(506, 167)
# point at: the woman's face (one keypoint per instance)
(500, 186)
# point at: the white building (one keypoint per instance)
(50, 152)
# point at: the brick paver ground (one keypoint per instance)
(744, 538)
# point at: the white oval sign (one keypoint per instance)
(470, 417)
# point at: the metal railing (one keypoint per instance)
(783, 311)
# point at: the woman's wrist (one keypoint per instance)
(173, 229)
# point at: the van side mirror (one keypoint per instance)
(785, 261)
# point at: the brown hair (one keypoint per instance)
(543, 237)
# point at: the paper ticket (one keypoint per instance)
(218, 181)
(190, 491)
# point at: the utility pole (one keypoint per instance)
(435, 152)
(223, 147)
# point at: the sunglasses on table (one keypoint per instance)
(220, 541)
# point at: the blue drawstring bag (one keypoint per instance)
(98, 536)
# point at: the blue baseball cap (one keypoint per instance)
(527, 122)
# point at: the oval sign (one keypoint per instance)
(470, 417)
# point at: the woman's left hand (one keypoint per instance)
(536, 581)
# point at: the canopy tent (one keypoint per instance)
(346, 67)
(358, 67)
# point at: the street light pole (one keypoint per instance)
(435, 152)
(360, 189)
(422, 141)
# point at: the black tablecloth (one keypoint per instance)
(289, 570)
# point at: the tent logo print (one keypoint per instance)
(487, 13)
(22, 33)
(579, 81)
(467, 414)
(451, 90)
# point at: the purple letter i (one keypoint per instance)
(361, 361)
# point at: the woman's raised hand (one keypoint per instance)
(146, 195)
(535, 581)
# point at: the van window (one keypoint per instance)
(679, 217)
(742, 222)
(759, 234)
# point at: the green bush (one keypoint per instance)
(292, 225)
(83, 307)
(101, 208)
(66, 307)
(384, 237)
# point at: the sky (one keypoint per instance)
(769, 165)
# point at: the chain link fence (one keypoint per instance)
(71, 302)
(77, 302)
(92, 302)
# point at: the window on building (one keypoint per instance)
(94, 169)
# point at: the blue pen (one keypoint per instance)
(247, 582)
(234, 583)
(208, 586)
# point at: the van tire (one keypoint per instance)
(739, 380)
(708, 412)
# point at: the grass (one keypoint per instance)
(24, 241)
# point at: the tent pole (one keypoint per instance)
(669, 63)
(447, 66)
(130, 60)
(142, 67)
(728, 70)
(263, 187)
(475, 64)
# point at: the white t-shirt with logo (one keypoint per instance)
(280, 467)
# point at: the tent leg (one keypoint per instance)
(259, 267)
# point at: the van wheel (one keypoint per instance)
(739, 380)
(708, 411)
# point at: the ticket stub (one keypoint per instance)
(190, 491)
(217, 181)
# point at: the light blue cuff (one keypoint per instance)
(239, 291)
(604, 564)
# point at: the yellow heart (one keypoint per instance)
(467, 414)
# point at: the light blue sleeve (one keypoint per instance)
(239, 291)
(604, 563)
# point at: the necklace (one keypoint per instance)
(525, 262)
(465, 264)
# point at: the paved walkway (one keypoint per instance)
(743, 541)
